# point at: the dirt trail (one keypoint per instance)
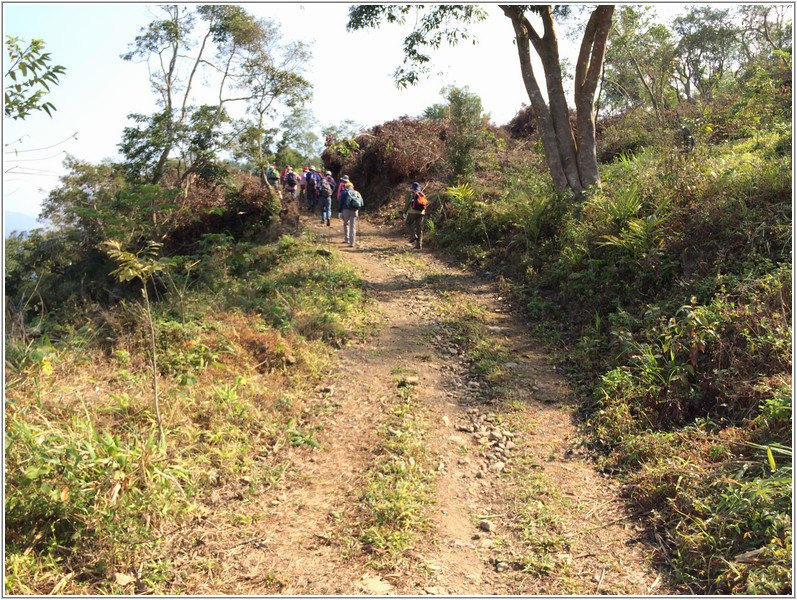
(294, 539)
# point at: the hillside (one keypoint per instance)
(207, 392)
(379, 420)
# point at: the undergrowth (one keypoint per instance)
(242, 335)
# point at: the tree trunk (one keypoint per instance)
(544, 121)
(547, 49)
(588, 71)
(571, 156)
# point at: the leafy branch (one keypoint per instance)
(28, 78)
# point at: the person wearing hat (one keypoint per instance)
(348, 214)
(312, 183)
(303, 185)
(414, 213)
(291, 182)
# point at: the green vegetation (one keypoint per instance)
(28, 77)
(241, 332)
(398, 487)
(669, 291)
(462, 322)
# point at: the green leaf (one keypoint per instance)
(771, 458)
(36, 471)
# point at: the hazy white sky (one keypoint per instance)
(351, 72)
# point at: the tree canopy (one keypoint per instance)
(246, 61)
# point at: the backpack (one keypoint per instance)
(354, 200)
(311, 180)
(419, 201)
(291, 178)
(326, 188)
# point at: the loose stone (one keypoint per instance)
(498, 466)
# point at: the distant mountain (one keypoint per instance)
(14, 221)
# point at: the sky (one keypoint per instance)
(351, 73)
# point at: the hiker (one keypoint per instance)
(325, 191)
(414, 213)
(349, 203)
(343, 180)
(311, 188)
(331, 180)
(282, 174)
(686, 139)
(303, 185)
(292, 181)
(272, 175)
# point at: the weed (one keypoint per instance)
(398, 486)
(298, 437)
(87, 485)
(536, 521)
(465, 324)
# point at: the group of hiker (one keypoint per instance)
(312, 189)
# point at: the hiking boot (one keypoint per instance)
(328, 223)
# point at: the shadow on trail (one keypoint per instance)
(433, 282)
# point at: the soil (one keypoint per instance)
(296, 539)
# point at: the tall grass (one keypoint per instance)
(89, 491)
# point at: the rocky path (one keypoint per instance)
(518, 508)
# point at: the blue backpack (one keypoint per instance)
(354, 199)
(312, 182)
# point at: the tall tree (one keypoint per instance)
(161, 44)
(707, 46)
(569, 151)
(767, 29)
(270, 74)
(239, 54)
(84, 196)
(299, 133)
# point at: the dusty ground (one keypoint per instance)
(296, 539)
